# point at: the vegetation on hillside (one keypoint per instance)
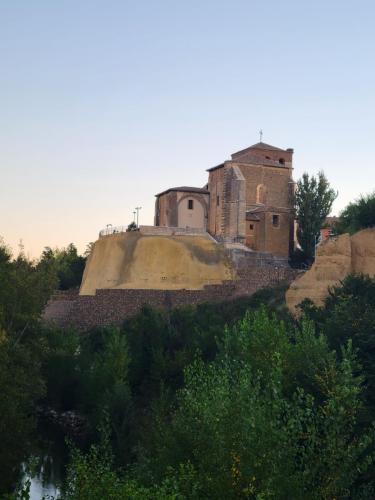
(25, 287)
(357, 215)
(234, 400)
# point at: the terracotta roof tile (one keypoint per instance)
(185, 189)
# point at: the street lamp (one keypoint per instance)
(138, 209)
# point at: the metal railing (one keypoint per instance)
(112, 230)
(153, 230)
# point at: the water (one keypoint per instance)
(46, 467)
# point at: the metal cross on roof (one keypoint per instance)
(260, 135)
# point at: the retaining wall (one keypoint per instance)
(112, 306)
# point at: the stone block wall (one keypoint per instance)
(234, 205)
(112, 306)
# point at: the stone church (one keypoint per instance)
(248, 200)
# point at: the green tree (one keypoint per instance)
(357, 215)
(21, 386)
(92, 476)
(24, 290)
(132, 227)
(313, 202)
(103, 365)
(349, 314)
(60, 367)
(249, 430)
(65, 263)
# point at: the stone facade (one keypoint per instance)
(113, 306)
(248, 199)
(184, 207)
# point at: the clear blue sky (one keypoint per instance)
(104, 104)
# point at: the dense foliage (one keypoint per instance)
(349, 314)
(234, 400)
(66, 264)
(275, 414)
(313, 202)
(25, 287)
(357, 215)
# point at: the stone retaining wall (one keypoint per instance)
(112, 306)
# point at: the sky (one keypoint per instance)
(103, 104)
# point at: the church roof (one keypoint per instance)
(258, 146)
(263, 145)
(253, 155)
(185, 189)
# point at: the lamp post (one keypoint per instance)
(108, 226)
(138, 209)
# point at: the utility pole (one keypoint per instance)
(134, 216)
(138, 209)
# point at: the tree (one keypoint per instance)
(103, 365)
(89, 249)
(349, 314)
(357, 215)
(313, 202)
(21, 386)
(273, 416)
(66, 264)
(132, 227)
(24, 290)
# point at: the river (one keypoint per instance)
(46, 467)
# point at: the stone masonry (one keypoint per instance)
(113, 306)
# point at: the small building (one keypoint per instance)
(248, 199)
(183, 206)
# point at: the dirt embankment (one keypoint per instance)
(133, 260)
(335, 259)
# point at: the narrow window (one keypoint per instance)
(282, 161)
(190, 204)
(251, 227)
(217, 200)
(275, 220)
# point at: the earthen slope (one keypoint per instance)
(138, 261)
(335, 259)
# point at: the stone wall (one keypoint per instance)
(112, 306)
(216, 188)
(234, 205)
(275, 181)
(172, 208)
(172, 231)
